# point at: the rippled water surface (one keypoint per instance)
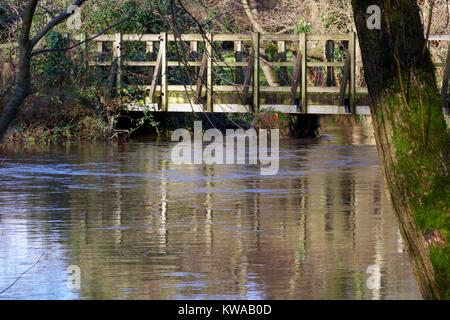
(140, 227)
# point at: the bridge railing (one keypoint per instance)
(297, 60)
(249, 52)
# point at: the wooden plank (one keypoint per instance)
(193, 55)
(156, 75)
(201, 78)
(439, 37)
(193, 47)
(239, 56)
(186, 37)
(304, 74)
(445, 81)
(149, 48)
(352, 52)
(345, 79)
(164, 72)
(139, 63)
(232, 37)
(117, 53)
(282, 76)
(184, 63)
(296, 75)
(329, 53)
(140, 37)
(99, 47)
(227, 64)
(265, 89)
(325, 37)
(279, 37)
(248, 77)
(209, 73)
(257, 47)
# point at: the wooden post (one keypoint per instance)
(118, 59)
(329, 53)
(164, 71)
(296, 75)
(155, 77)
(345, 80)
(304, 81)
(99, 47)
(239, 55)
(256, 52)
(352, 52)
(149, 47)
(445, 81)
(193, 56)
(248, 77)
(209, 74)
(193, 46)
(201, 78)
(282, 76)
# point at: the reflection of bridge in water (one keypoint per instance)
(289, 73)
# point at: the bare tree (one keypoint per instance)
(26, 43)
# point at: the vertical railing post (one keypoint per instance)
(239, 56)
(352, 51)
(164, 71)
(256, 55)
(281, 46)
(149, 47)
(329, 53)
(445, 81)
(118, 59)
(99, 47)
(193, 55)
(209, 73)
(304, 80)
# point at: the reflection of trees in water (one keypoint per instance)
(149, 229)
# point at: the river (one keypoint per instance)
(137, 226)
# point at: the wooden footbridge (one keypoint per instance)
(229, 72)
(289, 73)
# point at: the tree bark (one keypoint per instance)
(411, 135)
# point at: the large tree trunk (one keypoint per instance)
(411, 135)
(20, 90)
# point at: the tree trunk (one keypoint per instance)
(411, 135)
(20, 90)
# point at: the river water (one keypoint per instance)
(136, 226)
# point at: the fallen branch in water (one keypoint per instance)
(23, 273)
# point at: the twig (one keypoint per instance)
(23, 273)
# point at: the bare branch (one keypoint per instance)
(54, 22)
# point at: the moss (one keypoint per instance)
(440, 258)
(419, 138)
